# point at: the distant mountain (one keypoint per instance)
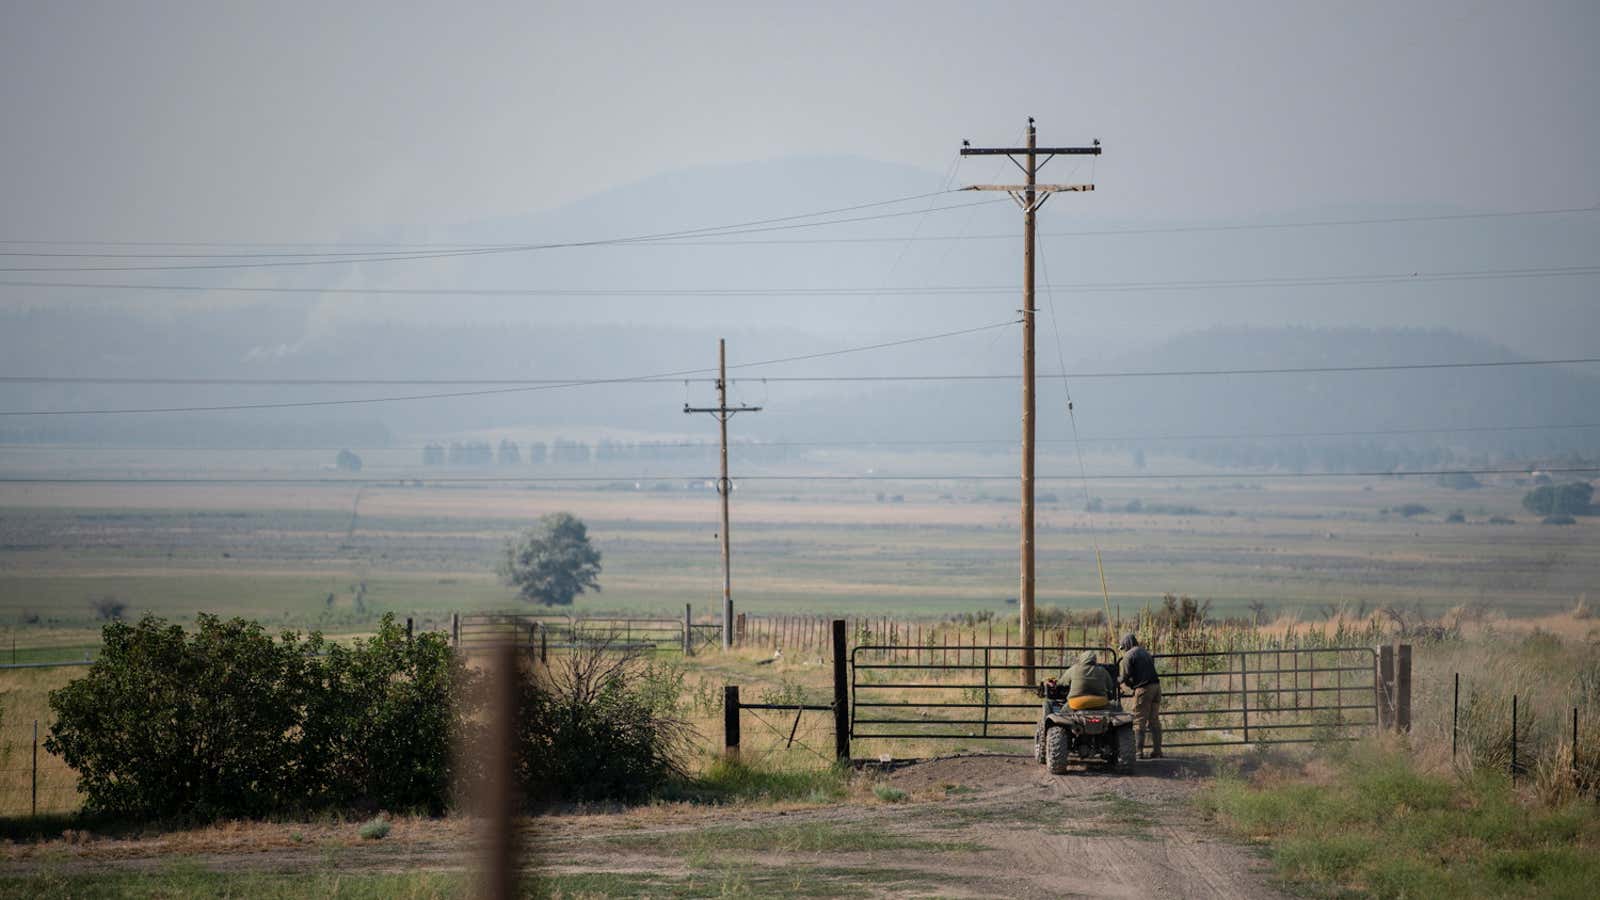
(1119, 301)
(1133, 405)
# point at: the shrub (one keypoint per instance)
(109, 608)
(379, 721)
(375, 829)
(227, 721)
(889, 794)
(1573, 499)
(599, 724)
(167, 724)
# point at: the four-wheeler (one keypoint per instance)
(1091, 735)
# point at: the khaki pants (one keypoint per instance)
(1147, 714)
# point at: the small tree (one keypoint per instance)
(1574, 499)
(552, 563)
(348, 461)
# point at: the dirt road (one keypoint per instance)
(970, 826)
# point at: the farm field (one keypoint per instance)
(302, 554)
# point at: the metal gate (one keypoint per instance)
(942, 692)
(978, 693)
(1288, 696)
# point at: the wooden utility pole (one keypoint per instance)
(724, 412)
(1030, 195)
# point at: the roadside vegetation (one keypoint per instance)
(1407, 818)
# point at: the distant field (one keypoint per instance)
(299, 554)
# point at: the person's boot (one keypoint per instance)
(1140, 736)
(1155, 751)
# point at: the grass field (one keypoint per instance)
(299, 555)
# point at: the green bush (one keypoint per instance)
(374, 829)
(226, 721)
(599, 724)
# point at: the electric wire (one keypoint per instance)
(483, 251)
(421, 479)
(662, 376)
(1090, 287)
(674, 378)
(741, 446)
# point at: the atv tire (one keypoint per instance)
(1038, 742)
(1127, 750)
(1055, 750)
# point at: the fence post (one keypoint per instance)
(1385, 686)
(985, 691)
(738, 629)
(730, 722)
(1244, 695)
(409, 626)
(455, 630)
(841, 694)
(1402, 700)
(35, 768)
(1513, 737)
(544, 645)
(1455, 716)
(1574, 740)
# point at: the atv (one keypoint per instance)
(1092, 735)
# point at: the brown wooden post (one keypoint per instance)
(1402, 699)
(409, 627)
(841, 694)
(688, 630)
(455, 630)
(730, 722)
(1386, 687)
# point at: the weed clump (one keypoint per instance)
(375, 829)
(889, 794)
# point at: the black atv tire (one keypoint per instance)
(1127, 749)
(1038, 743)
(1055, 750)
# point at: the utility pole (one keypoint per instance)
(724, 412)
(1030, 195)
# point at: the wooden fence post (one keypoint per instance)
(688, 630)
(841, 694)
(409, 626)
(35, 768)
(730, 722)
(1402, 700)
(455, 630)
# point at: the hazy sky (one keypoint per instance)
(301, 121)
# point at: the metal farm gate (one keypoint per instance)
(942, 692)
(1287, 696)
(478, 632)
(978, 693)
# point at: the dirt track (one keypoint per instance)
(972, 826)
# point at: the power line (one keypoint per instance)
(366, 248)
(676, 378)
(483, 251)
(509, 390)
(1346, 280)
(766, 445)
(401, 481)
(1187, 373)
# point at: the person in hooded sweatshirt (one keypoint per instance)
(1088, 685)
(1139, 673)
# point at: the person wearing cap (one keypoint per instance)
(1138, 671)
